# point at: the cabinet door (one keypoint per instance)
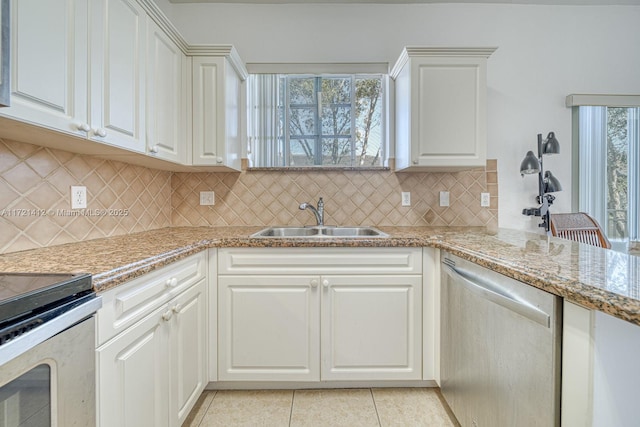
(166, 101)
(133, 375)
(448, 114)
(49, 64)
(216, 113)
(268, 328)
(118, 66)
(188, 349)
(371, 327)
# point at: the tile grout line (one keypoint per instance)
(375, 407)
(293, 396)
(215, 392)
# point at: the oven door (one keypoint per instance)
(53, 383)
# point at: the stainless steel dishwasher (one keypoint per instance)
(500, 343)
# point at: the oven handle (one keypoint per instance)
(28, 340)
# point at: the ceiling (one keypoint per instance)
(542, 2)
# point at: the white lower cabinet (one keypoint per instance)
(371, 327)
(188, 344)
(132, 375)
(269, 328)
(336, 324)
(152, 354)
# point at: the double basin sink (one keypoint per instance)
(320, 232)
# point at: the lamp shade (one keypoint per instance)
(551, 145)
(551, 183)
(530, 164)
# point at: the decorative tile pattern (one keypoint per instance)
(351, 198)
(122, 198)
(35, 209)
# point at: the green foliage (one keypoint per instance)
(617, 171)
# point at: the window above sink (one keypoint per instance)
(317, 121)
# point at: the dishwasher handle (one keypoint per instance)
(498, 295)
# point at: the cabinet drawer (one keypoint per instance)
(320, 261)
(128, 303)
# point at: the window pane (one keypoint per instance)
(302, 91)
(302, 121)
(336, 90)
(302, 152)
(336, 120)
(336, 151)
(368, 122)
(617, 173)
(316, 120)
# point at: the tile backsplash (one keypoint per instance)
(350, 197)
(35, 206)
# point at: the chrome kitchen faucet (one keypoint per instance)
(319, 212)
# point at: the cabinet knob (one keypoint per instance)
(314, 283)
(176, 308)
(166, 316)
(84, 127)
(415, 162)
(325, 283)
(171, 282)
(218, 159)
(153, 149)
(100, 132)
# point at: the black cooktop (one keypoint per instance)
(24, 294)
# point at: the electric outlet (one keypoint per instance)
(406, 198)
(444, 198)
(485, 200)
(78, 197)
(207, 198)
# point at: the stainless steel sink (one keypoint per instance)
(320, 232)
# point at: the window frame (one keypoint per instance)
(589, 168)
(286, 137)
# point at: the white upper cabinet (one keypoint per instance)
(117, 73)
(216, 84)
(441, 103)
(117, 79)
(79, 68)
(49, 64)
(166, 97)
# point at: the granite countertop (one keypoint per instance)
(589, 276)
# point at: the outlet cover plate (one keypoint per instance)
(406, 198)
(485, 200)
(207, 198)
(78, 197)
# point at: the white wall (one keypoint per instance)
(544, 53)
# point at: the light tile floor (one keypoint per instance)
(326, 407)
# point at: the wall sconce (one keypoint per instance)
(547, 183)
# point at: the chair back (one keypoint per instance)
(579, 227)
